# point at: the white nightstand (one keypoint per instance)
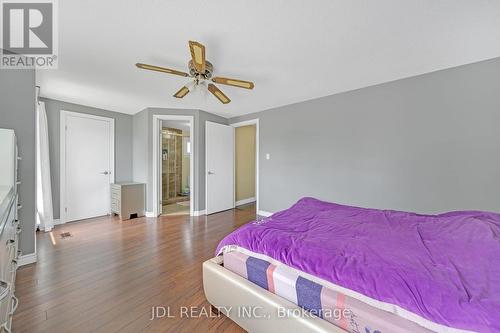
(127, 200)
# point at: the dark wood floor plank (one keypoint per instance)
(110, 273)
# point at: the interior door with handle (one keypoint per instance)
(88, 166)
(219, 154)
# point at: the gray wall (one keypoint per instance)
(17, 111)
(143, 149)
(123, 142)
(426, 144)
(140, 146)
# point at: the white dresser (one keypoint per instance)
(127, 200)
(9, 227)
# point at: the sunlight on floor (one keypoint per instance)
(52, 238)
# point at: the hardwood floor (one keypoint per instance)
(176, 209)
(109, 274)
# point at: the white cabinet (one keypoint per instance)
(127, 200)
(8, 160)
(9, 227)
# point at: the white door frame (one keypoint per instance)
(62, 154)
(246, 123)
(156, 161)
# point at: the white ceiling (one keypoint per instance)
(294, 50)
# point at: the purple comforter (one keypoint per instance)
(445, 268)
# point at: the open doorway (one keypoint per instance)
(246, 164)
(175, 167)
(181, 184)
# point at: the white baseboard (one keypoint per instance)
(199, 212)
(150, 214)
(55, 222)
(26, 259)
(245, 201)
(264, 213)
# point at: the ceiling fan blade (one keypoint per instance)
(234, 82)
(198, 55)
(219, 94)
(182, 92)
(161, 69)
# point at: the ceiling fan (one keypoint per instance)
(201, 71)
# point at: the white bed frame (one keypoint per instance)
(253, 308)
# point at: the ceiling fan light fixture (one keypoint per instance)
(223, 98)
(198, 55)
(234, 82)
(219, 94)
(201, 70)
(182, 92)
(160, 69)
(247, 85)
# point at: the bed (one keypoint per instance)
(325, 267)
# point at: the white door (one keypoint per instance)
(219, 156)
(87, 165)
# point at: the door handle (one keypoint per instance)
(211, 173)
(105, 173)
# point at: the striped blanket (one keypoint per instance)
(341, 310)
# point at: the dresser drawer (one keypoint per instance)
(7, 310)
(115, 188)
(116, 195)
(12, 227)
(115, 205)
(8, 246)
(5, 305)
(7, 255)
(11, 309)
